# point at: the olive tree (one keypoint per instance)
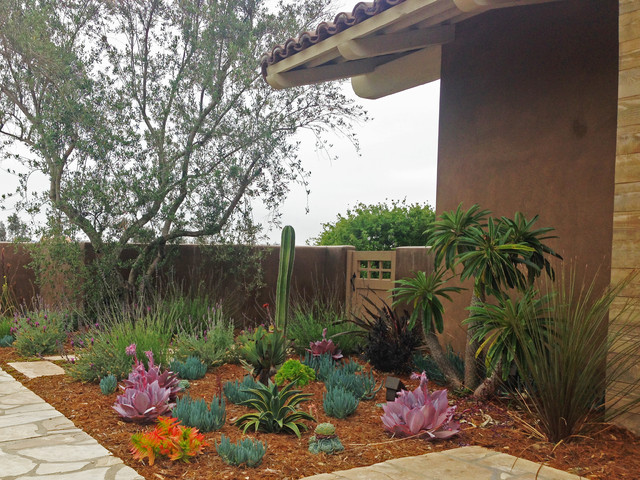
(150, 119)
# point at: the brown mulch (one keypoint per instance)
(608, 452)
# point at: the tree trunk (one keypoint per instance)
(470, 367)
(438, 355)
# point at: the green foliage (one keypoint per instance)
(295, 372)
(40, 332)
(277, 410)
(339, 402)
(285, 270)
(191, 369)
(196, 413)
(362, 386)
(237, 392)
(210, 346)
(322, 365)
(569, 358)
(183, 384)
(5, 327)
(379, 226)
(172, 145)
(424, 363)
(422, 291)
(108, 384)
(246, 451)
(6, 341)
(102, 350)
(310, 317)
(262, 352)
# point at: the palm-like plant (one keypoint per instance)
(276, 409)
(495, 254)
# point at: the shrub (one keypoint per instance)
(263, 352)
(277, 410)
(168, 439)
(295, 372)
(209, 345)
(5, 327)
(339, 402)
(196, 413)
(102, 350)
(420, 413)
(108, 384)
(237, 392)
(247, 451)
(191, 369)
(39, 333)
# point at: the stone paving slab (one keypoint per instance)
(40, 368)
(467, 463)
(38, 443)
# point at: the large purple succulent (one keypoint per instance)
(140, 378)
(143, 405)
(324, 346)
(420, 412)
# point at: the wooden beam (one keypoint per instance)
(377, 45)
(326, 73)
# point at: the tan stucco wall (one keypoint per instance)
(626, 215)
(528, 123)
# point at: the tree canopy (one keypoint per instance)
(379, 226)
(150, 119)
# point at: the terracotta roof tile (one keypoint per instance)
(361, 12)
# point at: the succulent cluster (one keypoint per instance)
(191, 369)
(6, 340)
(420, 413)
(148, 393)
(247, 451)
(196, 413)
(324, 347)
(325, 440)
(108, 384)
(263, 352)
(339, 403)
(362, 386)
(237, 392)
(295, 372)
(168, 439)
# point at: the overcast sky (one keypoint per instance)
(397, 160)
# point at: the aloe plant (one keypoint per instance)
(276, 410)
(285, 270)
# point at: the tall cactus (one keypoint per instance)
(287, 254)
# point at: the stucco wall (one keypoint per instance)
(528, 123)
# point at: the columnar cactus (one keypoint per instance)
(287, 254)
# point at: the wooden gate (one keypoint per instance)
(371, 275)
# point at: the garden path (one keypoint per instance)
(38, 443)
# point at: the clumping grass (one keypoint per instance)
(575, 356)
(211, 345)
(101, 351)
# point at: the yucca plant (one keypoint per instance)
(276, 410)
(570, 359)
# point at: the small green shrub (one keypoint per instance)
(247, 451)
(276, 410)
(40, 333)
(339, 403)
(211, 345)
(237, 392)
(196, 413)
(6, 341)
(102, 351)
(108, 384)
(191, 369)
(294, 371)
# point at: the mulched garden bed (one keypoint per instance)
(608, 452)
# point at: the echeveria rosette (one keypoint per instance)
(143, 405)
(140, 377)
(324, 346)
(420, 413)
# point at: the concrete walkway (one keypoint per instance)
(38, 443)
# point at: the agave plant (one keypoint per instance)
(277, 410)
(263, 352)
(420, 413)
(144, 404)
(324, 346)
